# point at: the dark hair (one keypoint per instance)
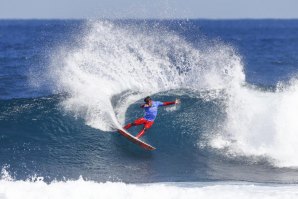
(147, 99)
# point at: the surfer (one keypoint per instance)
(150, 108)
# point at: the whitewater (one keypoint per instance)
(35, 187)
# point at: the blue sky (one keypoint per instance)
(214, 9)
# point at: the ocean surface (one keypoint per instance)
(67, 85)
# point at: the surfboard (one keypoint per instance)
(136, 140)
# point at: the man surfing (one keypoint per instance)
(150, 108)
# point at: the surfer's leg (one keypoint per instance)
(137, 122)
(147, 125)
(127, 126)
(141, 133)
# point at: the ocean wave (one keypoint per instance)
(117, 65)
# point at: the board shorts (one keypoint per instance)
(147, 123)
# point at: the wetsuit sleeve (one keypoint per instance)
(167, 103)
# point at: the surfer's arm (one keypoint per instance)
(177, 101)
(167, 103)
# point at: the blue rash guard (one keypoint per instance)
(151, 112)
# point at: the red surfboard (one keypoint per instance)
(136, 140)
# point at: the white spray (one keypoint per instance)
(115, 60)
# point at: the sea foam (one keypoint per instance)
(89, 189)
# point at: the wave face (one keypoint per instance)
(225, 129)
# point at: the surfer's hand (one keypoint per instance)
(177, 101)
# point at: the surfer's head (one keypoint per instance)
(148, 100)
